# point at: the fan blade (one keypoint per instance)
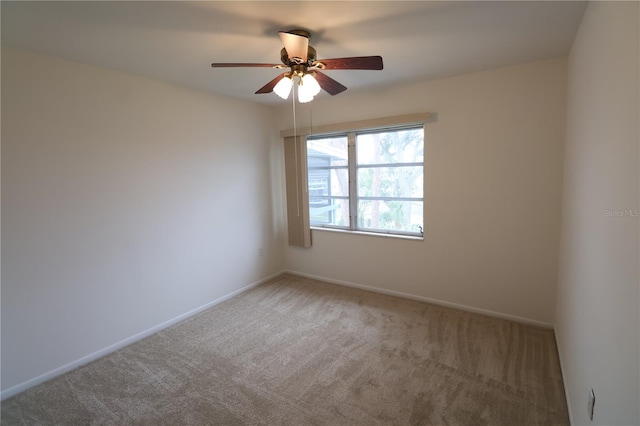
(296, 45)
(328, 84)
(228, 65)
(355, 63)
(268, 88)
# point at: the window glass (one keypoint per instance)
(389, 147)
(396, 181)
(388, 172)
(391, 215)
(328, 180)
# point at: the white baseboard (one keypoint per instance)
(14, 390)
(428, 300)
(564, 381)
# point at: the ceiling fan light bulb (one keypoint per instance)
(310, 84)
(283, 88)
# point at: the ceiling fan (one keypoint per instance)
(300, 58)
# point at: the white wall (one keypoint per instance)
(492, 192)
(126, 202)
(597, 323)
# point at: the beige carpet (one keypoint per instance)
(295, 351)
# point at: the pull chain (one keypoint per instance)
(295, 147)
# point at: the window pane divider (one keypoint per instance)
(378, 165)
(390, 198)
(353, 181)
(330, 197)
(328, 167)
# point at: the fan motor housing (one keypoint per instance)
(311, 56)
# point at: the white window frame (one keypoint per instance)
(295, 164)
(353, 167)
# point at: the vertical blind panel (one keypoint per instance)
(295, 166)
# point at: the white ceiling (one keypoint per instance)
(177, 41)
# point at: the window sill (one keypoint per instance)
(368, 234)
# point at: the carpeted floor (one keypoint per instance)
(296, 351)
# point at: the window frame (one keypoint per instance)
(353, 167)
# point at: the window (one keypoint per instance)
(328, 181)
(369, 181)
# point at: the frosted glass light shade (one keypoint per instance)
(307, 88)
(311, 84)
(304, 96)
(283, 88)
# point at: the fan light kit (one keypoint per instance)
(308, 87)
(300, 57)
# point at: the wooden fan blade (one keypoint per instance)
(328, 84)
(296, 45)
(268, 88)
(231, 64)
(354, 63)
